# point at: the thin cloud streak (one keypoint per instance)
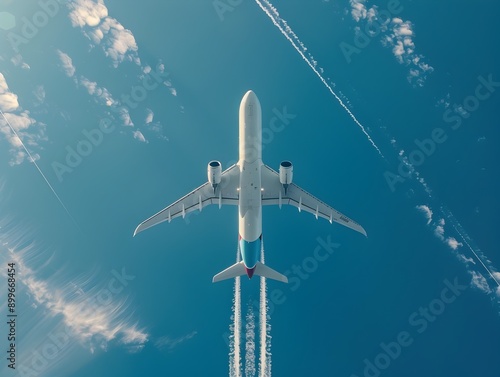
(92, 320)
(39, 170)
(20, 120)
(168, 343)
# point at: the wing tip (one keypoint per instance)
(362, 231)
(137, 230)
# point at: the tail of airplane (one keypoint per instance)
(239, 269)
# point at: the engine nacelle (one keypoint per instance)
(214, 172)
(286, 173)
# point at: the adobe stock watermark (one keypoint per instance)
(29, 27)
(281, 119)
(419, 322)
(454, 118)
(224, 6)
(58, 341)
(362, 38)
(94, 137)
(297, 274)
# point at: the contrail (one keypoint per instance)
(235, 328)
(264, 327)
(250, 342)
(273, 14)
(468, 241)
(38, 168)
(448, 215)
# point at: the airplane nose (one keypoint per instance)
(250, 96)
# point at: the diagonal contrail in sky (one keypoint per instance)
(468, 241)
(285, 29)
(38, 168)
(282, 25)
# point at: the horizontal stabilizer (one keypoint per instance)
(236, 269)
(267, 272)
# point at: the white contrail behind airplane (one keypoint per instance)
(250, 342)
(264, 328)
(235, 337)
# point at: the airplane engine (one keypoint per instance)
(214, 172)
(286, 173)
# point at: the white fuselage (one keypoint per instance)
(250, 163)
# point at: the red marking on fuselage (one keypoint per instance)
(250, 272)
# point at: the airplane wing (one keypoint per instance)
(273, 194)
(225, 193)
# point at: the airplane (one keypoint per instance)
(249, 184)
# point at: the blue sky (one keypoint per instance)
(393, 121)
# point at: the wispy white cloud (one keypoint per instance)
(90, 86)
(396, 34)
(67, 63)
(87, 12)
(359, 11)
(149, 116)
(94, 316)
(18, 61)
(64, 315)
(8, 100)
(426, 211)
(479, 281)
(445, 101)
(168, 84)
(400, 39)
(119, 43)
(438, 227)
(39, 93)
(92, 17)
(27, 128)
(462, 258)
(168, 343)
(139, 136)
(173, 91)
(157, 129)
(496, 275)
(100, 94)
(124, 114)
(453, 243)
